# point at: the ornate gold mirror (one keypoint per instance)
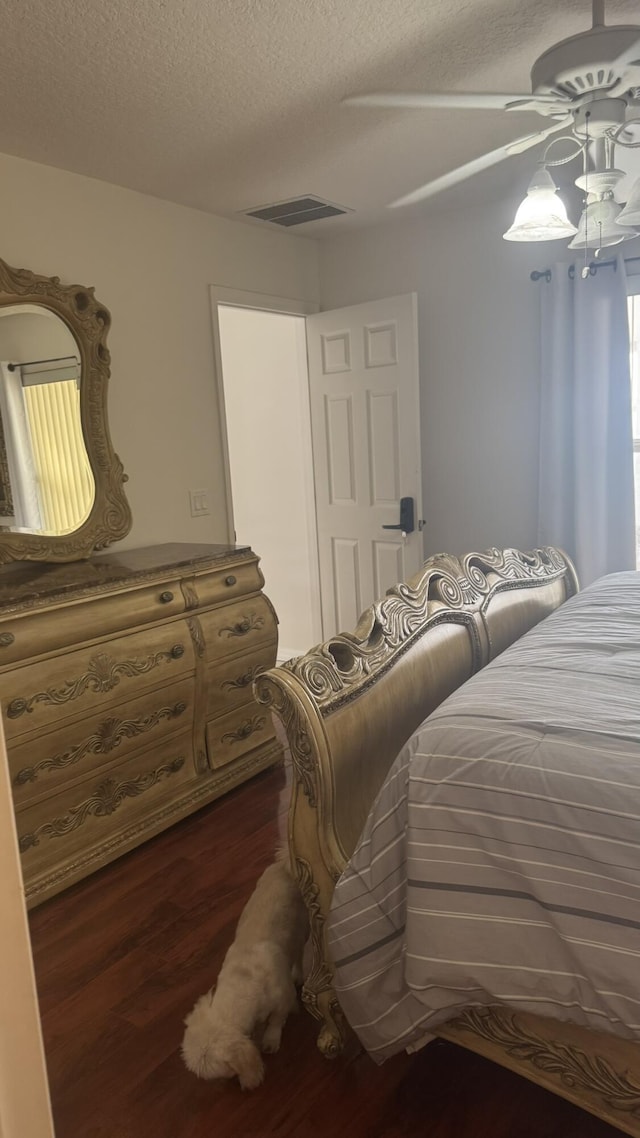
(61, 483)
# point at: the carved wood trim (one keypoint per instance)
(244, 679)
(89, 321)
(245, 730)
(197, 637)
(575, 1069)
(107, 738)
(448, 590)
(191, 598)
(300, 742)
(106, 799)
(102, 675)
(318, 994)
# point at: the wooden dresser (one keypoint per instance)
(127, 699)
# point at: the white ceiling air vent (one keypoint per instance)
(296, 211)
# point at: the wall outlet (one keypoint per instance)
(198, 502)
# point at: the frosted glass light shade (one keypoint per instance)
(630, 214)
(542, 215)
(598, 226)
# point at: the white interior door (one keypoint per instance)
(365, 422)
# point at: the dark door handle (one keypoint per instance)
(407, 521)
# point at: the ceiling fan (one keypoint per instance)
(587, 85)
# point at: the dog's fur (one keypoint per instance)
(256, 990)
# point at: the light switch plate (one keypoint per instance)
(198, 502)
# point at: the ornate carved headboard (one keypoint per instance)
(350, 704)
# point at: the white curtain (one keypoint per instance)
(17, 437)
(586, 494)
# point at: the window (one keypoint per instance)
(634, 340)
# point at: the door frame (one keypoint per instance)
(25, 1106)
(286, 306)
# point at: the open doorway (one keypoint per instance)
(264, 393)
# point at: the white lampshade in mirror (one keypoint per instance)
(598, 226)
(630, 213)
(542, 215)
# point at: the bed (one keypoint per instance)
(423, 848)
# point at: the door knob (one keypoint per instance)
(407, 521)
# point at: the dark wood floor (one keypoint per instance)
(122, 957)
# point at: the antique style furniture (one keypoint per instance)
(61, 483)
(125, 679)
(127, 699)
(348, 707)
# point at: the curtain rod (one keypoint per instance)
(54, 360)
(538, 274)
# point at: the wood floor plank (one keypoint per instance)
(121, 957)
(120, 982)
(108, 918)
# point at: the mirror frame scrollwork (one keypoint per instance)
(89, 321)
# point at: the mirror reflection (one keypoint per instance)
(46, 482)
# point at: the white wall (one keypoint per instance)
(151, 263)
(267, 411)
(478, 312)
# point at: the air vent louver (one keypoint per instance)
(297, 211)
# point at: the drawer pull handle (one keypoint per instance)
(177, 651)
(243, 680)
(6, 639)
(242, 627)
(247, 729)
(230, 580)
(166, 597)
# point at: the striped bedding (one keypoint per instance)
(501, 860)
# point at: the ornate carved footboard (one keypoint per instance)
(350, 704)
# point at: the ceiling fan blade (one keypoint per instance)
(478, 164)
(629, 58)
(464, 100)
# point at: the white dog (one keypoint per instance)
(256, 989)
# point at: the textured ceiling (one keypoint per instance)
(228, 105)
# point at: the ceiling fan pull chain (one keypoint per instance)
(585, 267)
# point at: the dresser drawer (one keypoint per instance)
(40, 696)
(230, 684)
(45, 765)
(34, 633)
(226, 584)
(239, 627)
(236, 734)
(91, 810)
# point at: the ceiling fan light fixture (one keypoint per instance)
(542, 215)
(630, 213)
(598, 226)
